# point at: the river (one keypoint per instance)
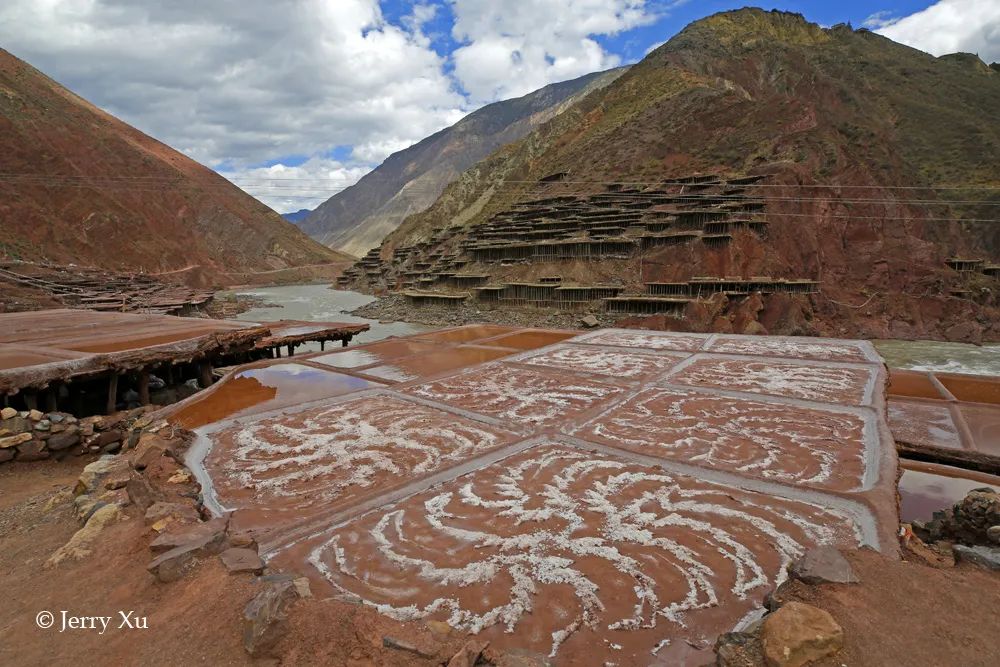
(319, 303)
(929, 355)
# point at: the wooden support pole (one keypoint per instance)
(291, 349)
(277, 351)
(112, 393)
(322, 345)
(170, 375)
(52, 399)
(344, 341)
(205, 372)
(144, 387)
(31, 400)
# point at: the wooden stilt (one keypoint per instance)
(112, 394)
(277, 352)
(31, 400)
(345, 341)
(205, 371)
(144, 387)
(170, 375)
(322, 345)
(291, 350)
(52, 399)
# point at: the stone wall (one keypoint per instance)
(36, 436)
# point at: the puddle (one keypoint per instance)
(266, 388)
(376, 353)
(927, 487)
(466, 334)
(973, 389)
(914, 384)
(425, 365)
(984, 425)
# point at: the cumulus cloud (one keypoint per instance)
(236, 84)
(241, 83)
(290, 188)
(949, 26)
(511, 49)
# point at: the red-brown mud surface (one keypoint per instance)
(570, 500)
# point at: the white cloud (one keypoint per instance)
(511, 49)
(238, 83)
(242, 82)
(949, 26)
(308, 185)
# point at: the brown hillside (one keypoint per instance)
(79, 186)
(869, 150)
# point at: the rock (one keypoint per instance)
(239, 560)
(65, 439)
(6, 455)
(985, 557)
(92, 477)
(974, 515)
(107, 438)
(823, 565)
(797, 634)
(15, 425)
(589, 321)
(243, 538)
(180, 477)
(43, 425)
(302, 588)
(8, 413)
(14, 440)
(178, 512)
(79, 545)
(468, 655)
(150, 448)
(35, 415)
(993, 534)
(33, 450)
(55, 417)
(174, 564)
(140, 492)
(400, 645)
(210, 535)
(738, 649)
(439, 627)
(265, 618)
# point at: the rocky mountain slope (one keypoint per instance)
(297, 216)
(79, 186)
(409, 181)
(877, 162)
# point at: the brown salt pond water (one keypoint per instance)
(927, 487)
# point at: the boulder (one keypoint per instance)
(107, 438)
(174, 564)
(797, 634)
(79, 545)
(993, 534)
(211, 534)
(265, 618)
(93, 475)
(985, 557)
(239, 560)
(8, 413)
(35, 415)
(823, 565)
(589, 321)
(738, 649)
(15, 425)
(33, 450)
(14, 440)
(65, 439)
(43, 425)
(6, 455)
(150, 448)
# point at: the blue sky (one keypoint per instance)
(316, 93)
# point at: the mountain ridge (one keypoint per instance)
(357, 219)
(82, 186)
